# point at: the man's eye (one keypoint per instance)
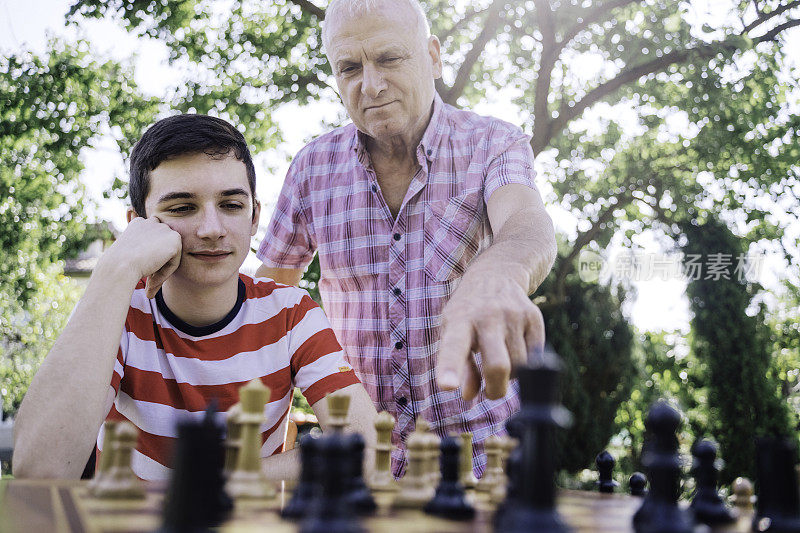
(391, 59)
(348, 70)
(233, 206)
(178, 209)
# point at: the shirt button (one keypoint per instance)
(396, 291)
(430, 152)
(402, 401)
(397, 236)
(398, 345)
(374, 188)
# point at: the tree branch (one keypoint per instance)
(773, 33)
(595, 15)
(487, 33)
(310, 8)
(763, 17)
(542, 120)
(623, 78)
(460, 23)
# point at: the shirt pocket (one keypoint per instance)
(450, 239)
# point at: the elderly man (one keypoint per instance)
(430, 231)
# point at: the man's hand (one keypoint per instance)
(495, 317)
(150, 248)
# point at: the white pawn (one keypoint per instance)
(415, 487)
(120, 482)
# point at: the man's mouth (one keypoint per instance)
(378, 106)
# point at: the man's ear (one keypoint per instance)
(435, 51)
(256, 216)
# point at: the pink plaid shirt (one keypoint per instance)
(384, 280)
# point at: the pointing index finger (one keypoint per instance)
(454, 349)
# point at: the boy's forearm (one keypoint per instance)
(282, 466)
(61, 413)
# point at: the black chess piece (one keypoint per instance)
(707, 505)
(308, 487)
(196, 499)
(660, 512)
(329, 511)
(531, 494)
(778, 502)
(605, 467)
(359, 496)
(449, 500)
(637, 484)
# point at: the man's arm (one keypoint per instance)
(360, 419)
(506, 324)
(61, 413)
(287, 276)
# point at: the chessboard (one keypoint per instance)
(67, 507)
(217, 481)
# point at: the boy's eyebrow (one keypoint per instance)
(175, 196)
(188, 195)
(234, 192)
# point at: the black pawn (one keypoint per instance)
(196, 499)
(778, 502)
(605, 467)
(637, 484)
(329, 512)
(660, 511)
(449, 501)
(707, 505)
(530, 503)
(308, 488)
(359, 496)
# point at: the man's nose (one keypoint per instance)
(210, 225)
(372, 83)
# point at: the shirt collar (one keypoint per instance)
(429, 144)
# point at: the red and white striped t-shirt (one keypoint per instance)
(167, 371)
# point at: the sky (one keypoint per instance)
(659, 302)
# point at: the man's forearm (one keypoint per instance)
(521, 251)
(62, 411)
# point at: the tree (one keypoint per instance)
(51, 108)
(599, 85)
(595, 341)
(735, 347)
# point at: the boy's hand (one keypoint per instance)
(150, 249)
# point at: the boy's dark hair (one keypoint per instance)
(179, 135)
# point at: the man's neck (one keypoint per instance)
(200, 307)
(399, 150)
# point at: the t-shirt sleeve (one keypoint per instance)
(510, 161)
(288, 242)
(317, 361)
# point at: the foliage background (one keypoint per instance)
(649, 118)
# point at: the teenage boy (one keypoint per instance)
(168, 323)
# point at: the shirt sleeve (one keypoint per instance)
(317, 363)
(510, 161)
(288, 242)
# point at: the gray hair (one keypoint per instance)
(354, 7)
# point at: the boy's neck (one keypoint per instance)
(200, 306)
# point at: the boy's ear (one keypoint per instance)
(256, 216)
(131, 214)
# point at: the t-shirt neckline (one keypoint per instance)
(200, 331)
